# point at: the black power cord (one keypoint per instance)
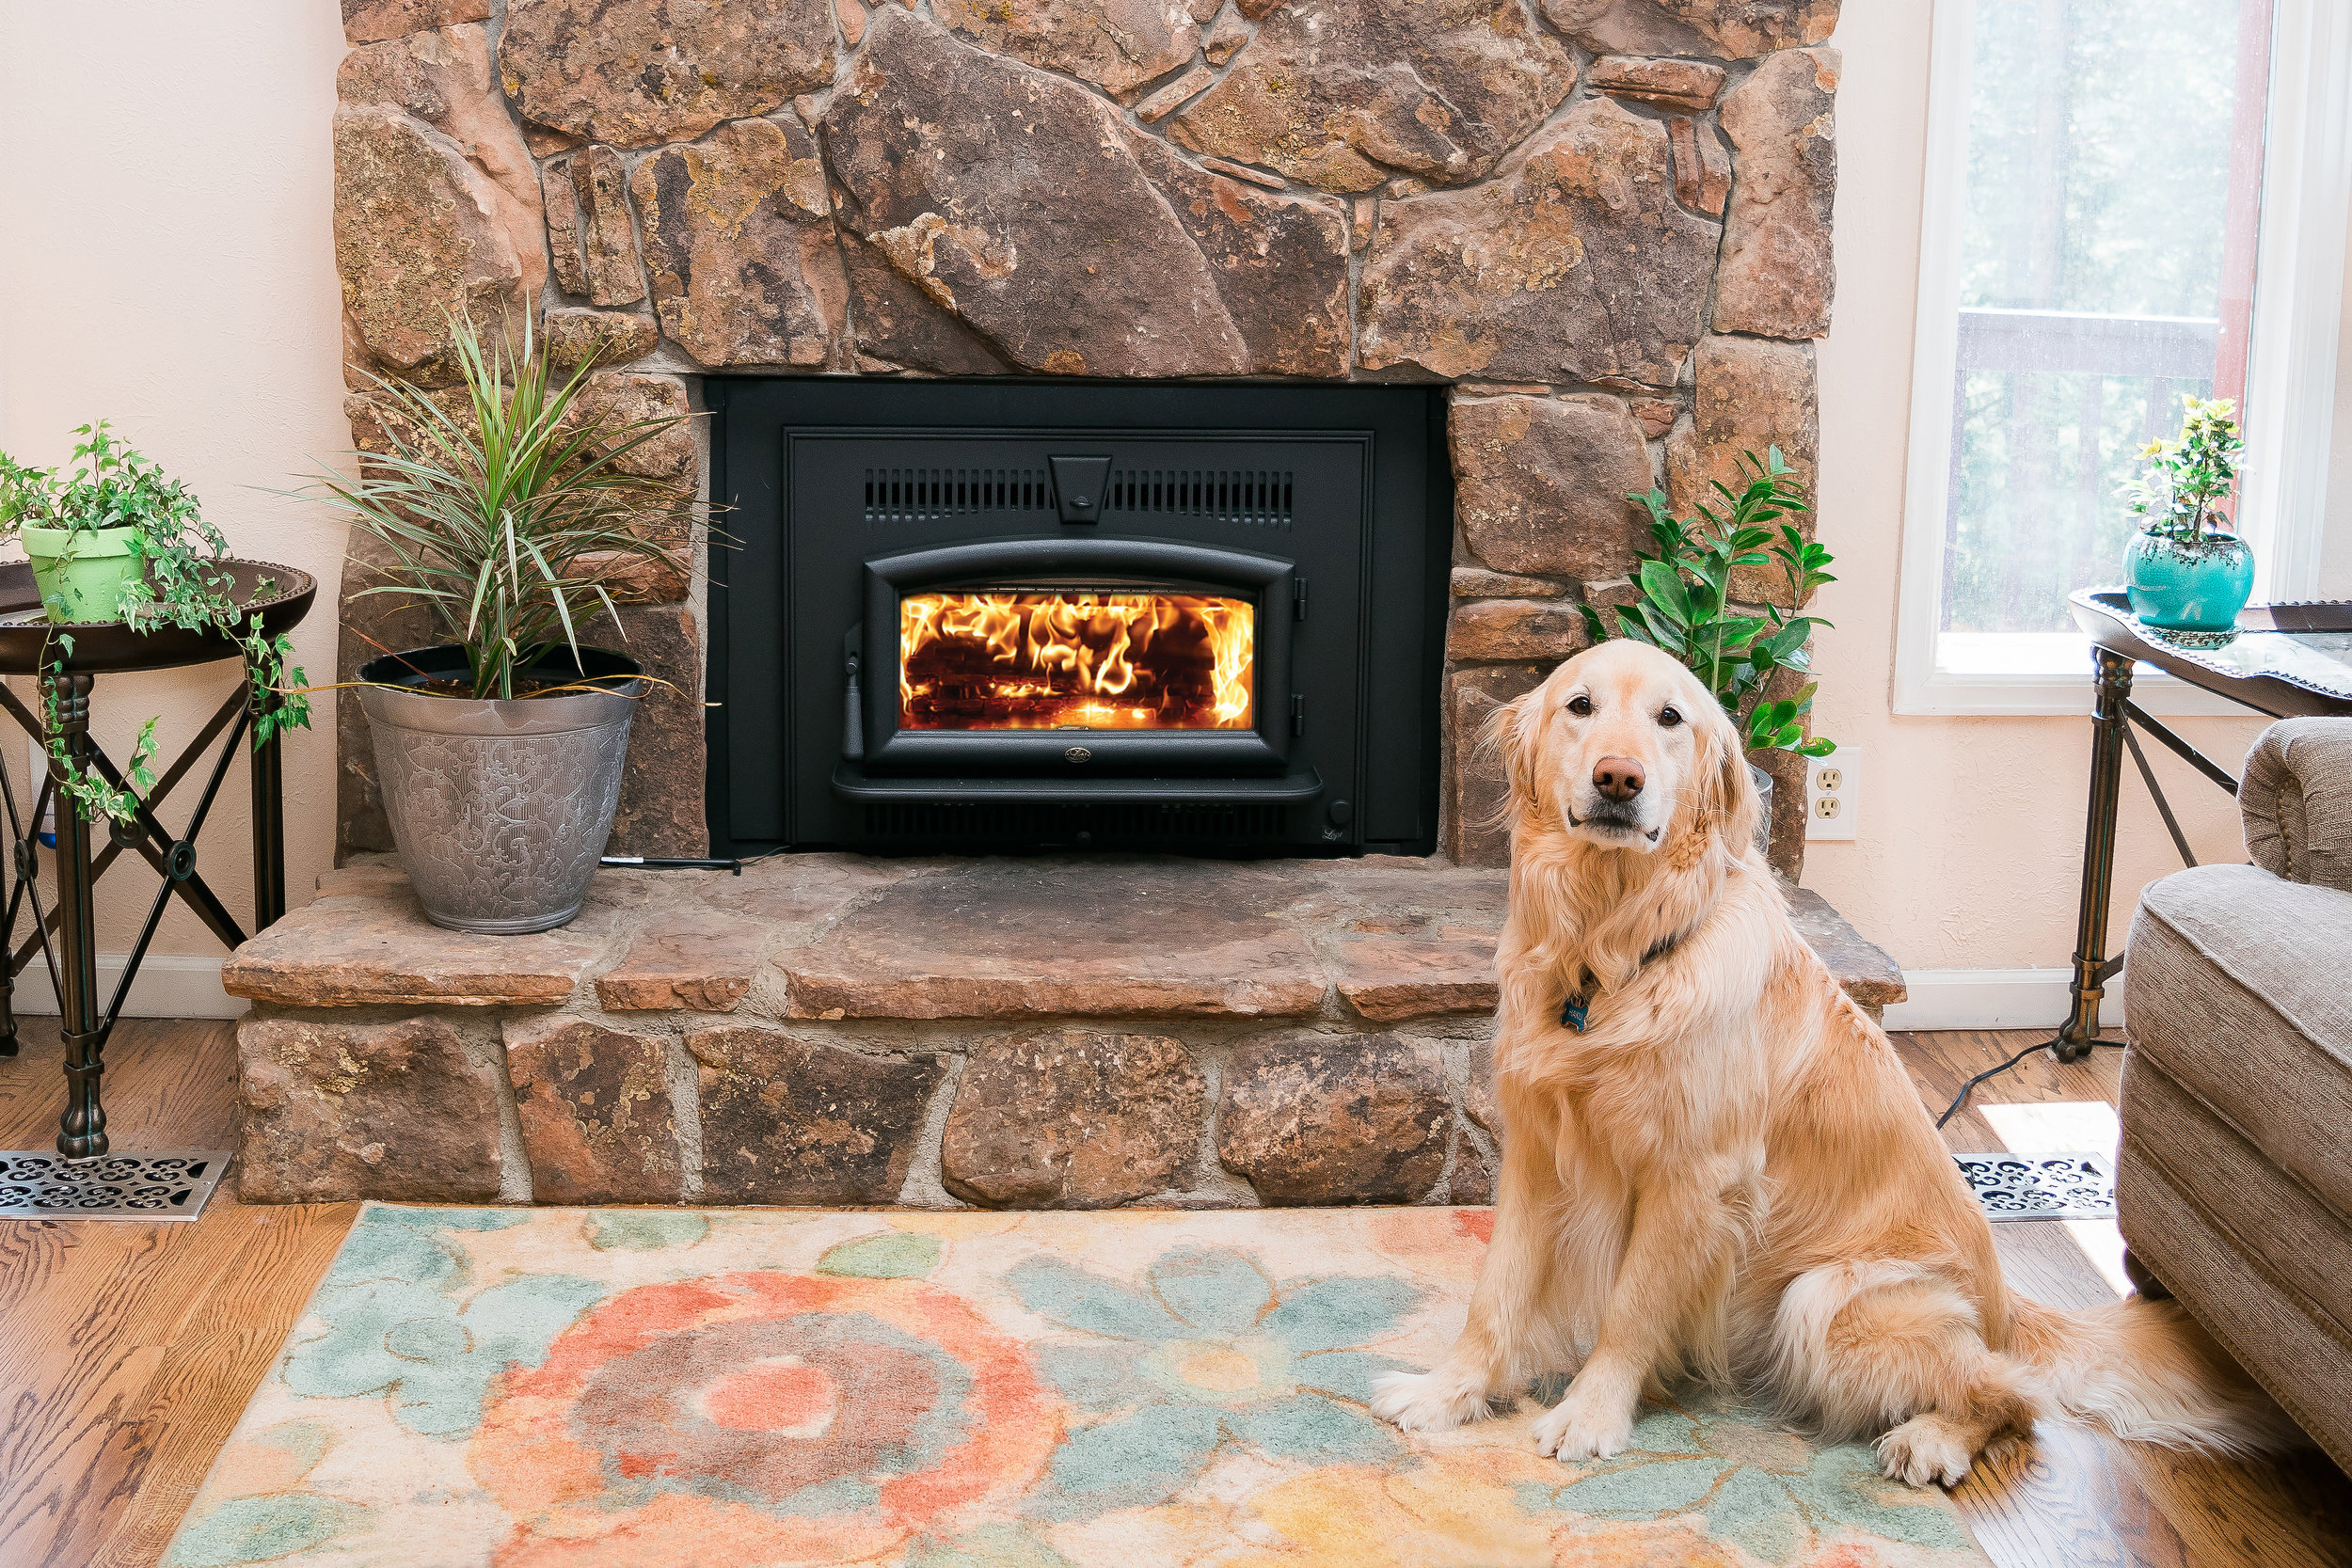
(1969, 1087)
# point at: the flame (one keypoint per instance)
(1047, 661)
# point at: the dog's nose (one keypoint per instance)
(1619, 777)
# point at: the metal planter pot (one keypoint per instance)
(500, 808)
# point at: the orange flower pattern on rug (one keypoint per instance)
(772, 1417)
(669, 1388)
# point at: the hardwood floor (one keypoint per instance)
(2075, 1497)
(129, 1349)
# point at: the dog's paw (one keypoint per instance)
(1922, 1452)
(1590, 1423)
(1427, 1402)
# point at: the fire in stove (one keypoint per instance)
(1075, 658)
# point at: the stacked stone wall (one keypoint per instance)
(1604, 223)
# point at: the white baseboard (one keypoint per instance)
(168, 986)
(1995, 999)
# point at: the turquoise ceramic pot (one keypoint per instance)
(2176, 585)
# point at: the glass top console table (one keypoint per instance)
(2287, 660)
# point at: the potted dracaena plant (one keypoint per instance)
(1684, 605)
(113, 539)
(2186, 573)
(508, 516)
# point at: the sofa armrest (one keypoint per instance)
(2296, 800)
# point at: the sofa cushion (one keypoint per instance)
(2235, 987)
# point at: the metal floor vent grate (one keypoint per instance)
(173, 1185)
(2073, 1186)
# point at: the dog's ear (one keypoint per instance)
(1728, 802)
(1507, 735)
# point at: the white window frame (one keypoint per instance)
(2291, 372)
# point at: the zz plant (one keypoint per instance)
(1685, 605)
(181, 581)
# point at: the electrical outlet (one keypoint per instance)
(1832, 795)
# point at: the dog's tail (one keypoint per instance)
(2144, 1371)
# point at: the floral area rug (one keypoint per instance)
(635, 1389)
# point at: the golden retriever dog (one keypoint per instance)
(1713, 1164)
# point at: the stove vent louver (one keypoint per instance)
(1262, 497)
(922, 495)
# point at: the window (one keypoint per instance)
(2103, 178)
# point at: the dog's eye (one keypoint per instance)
(1580, 704)
(1669, 717)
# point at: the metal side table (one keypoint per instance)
(2287, 660)
(64, 935)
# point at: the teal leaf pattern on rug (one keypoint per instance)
(255, 1530)
(892, 1255)
(1754, 1485)
(386, 1322)
(1209, 1354)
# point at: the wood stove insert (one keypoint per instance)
(1018, 616)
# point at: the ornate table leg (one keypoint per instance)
(82, 1131)
(2092, 970)
(269, 831)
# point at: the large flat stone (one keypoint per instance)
(1574, 263)
(1540, 484)
(1116, 44)
(1064, 254)
(1864, 970)
(1750, 394)
(702, 964)
(1726, 29)
(632, 72)
(336, 1112)
(788, 1120)
(597, 1118)
(380, 950)
(740, 245)
(1103, 938)
(1777, 274)
(1335, 1118)
(1346, 94)
(1074, 1118)
(446, 78)
(1390, 977)
(420, 236)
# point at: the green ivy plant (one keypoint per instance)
(1685, 605)
(182, 583)
(2185, 488)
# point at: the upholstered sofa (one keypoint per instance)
(2235, 1179)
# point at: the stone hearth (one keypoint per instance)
(824, 1029)
(1604, 223)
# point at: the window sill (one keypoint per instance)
(2027, 674)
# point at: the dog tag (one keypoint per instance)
(1572, 1012)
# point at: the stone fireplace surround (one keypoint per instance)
(1604, 223)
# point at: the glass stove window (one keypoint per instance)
(1075, 658)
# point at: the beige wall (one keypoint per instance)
(165, 261)
(1969, 852)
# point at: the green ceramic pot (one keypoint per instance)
(2188, 585)
(81, 572)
